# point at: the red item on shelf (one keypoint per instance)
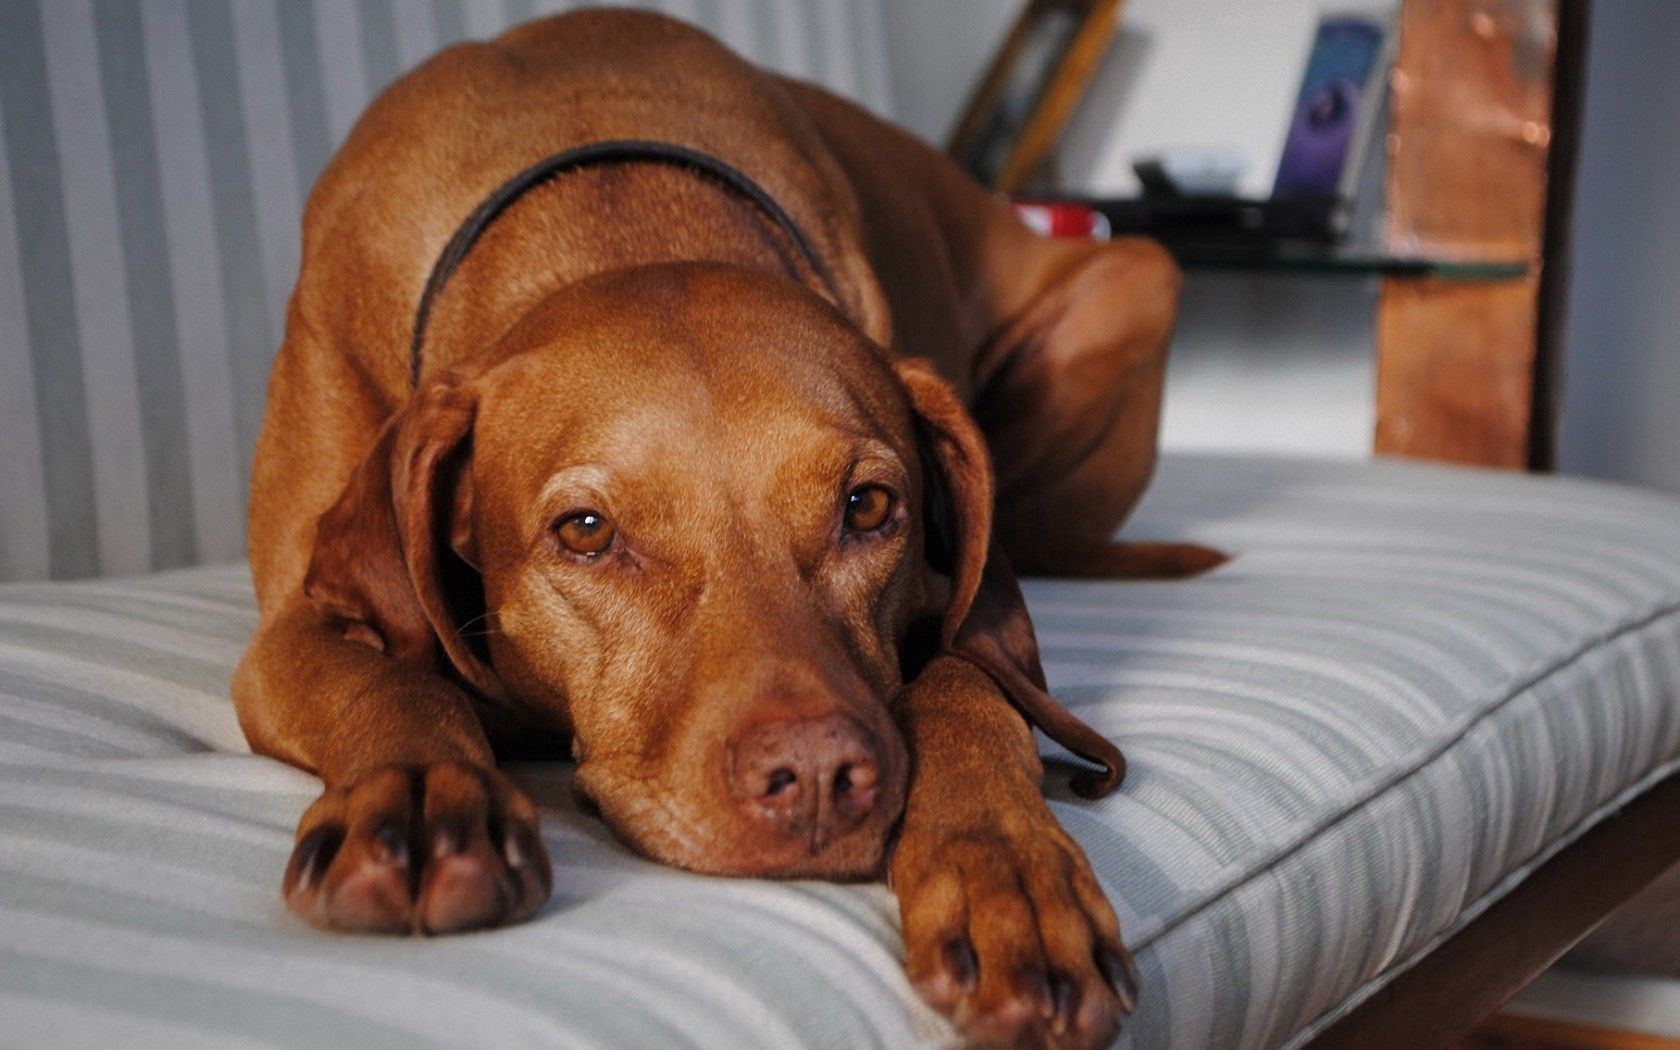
(1063, 219)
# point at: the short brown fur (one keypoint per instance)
(749, 685)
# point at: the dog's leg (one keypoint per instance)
(1070, 401)
(1006, 929)
(416, 830)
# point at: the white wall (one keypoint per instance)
(935, 52)
(1621, 411)
(1197, 73)
(1180, 73)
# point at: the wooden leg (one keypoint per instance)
(1467, 176)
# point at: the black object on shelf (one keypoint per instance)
(1237, 220)
(1289, 236)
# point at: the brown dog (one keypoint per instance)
(712, 510)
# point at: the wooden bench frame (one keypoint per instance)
(1473, 973)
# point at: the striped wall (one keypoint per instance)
(154, 160)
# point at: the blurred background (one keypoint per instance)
(220, 120)
(1286, 362)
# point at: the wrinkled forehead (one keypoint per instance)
(688, 377)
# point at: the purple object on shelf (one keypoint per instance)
(1330, 109)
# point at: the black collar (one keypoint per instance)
(608, 152)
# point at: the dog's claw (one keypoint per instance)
(393, 845)
(1039, 982)
(960, 961)
(1121, 973)
(446, 840)
(313, 853)
(1064, 1003)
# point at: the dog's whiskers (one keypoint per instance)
(464, 629)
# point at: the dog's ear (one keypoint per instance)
(957, 489)
(393, 558)
(985, 619)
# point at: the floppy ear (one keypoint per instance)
(392, 558)
(985, 619)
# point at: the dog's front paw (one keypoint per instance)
(418, 849)
(1009, 934)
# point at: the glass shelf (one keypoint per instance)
(1264, 236)
(1344, 260)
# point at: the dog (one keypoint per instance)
(638, 402)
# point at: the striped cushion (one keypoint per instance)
(1411, 686)
(154, 157)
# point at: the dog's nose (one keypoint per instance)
(812, 778)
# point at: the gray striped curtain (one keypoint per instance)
(157, 154)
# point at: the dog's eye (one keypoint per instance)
(868, 508)
(585, 532)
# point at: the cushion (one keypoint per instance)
(1411, 686)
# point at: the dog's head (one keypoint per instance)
(697, 522)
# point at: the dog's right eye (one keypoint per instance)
(869, 508)
(585, 533)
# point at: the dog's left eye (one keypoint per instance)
(869, 508)
(584, 533)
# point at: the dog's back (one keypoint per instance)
(445, 136)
